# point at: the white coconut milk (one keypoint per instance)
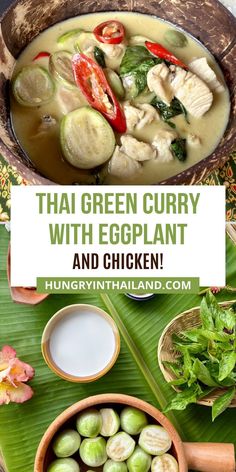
(82, 343)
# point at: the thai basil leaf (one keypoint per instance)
(222, 402)
(214, 371)
(99, 56)
(135, 64)
(212, 304)
(229, 381)
(227, 364)
(134, 57)
(179, 339)
(206, 315)
(178, 148)
(171, 124)
(184, 111)
(205, 392)
(225, 321)
(174, 367)
(196, 348)
(187, 364)
(203, 374)
(178, 382)
(192, 377)
(168, 111)
(140, 75)
(192, 334)
(214, 335)
(184, 398)
(196, 337)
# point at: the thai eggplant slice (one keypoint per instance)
(87, 139)
(33, 86)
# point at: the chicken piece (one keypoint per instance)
(162, 142)
(113, 50)
(192, 92)
(201, 68)
(150, 114)
(137, 150)
(70, 99)
(133, 116)
(120, 165)
(140, 116)
(157, 81)
(113, 54)
(193, 140)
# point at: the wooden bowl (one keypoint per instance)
(25, 19)
(166, 351)
(196, 456)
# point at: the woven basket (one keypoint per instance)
(166, 351)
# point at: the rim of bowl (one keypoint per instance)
(109, 398)
(60, 314)
(136, 296)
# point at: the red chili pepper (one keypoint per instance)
(110, 32)
(91, 79)
(42, 54)
(159, 51)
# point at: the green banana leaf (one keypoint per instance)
(136, 371)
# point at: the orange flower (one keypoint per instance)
(13, 375)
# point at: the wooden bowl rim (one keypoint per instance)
(122, 399)
(206, 401)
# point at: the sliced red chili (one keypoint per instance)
(92, 81)
(163, 53)
(110, 32)
(41, 54)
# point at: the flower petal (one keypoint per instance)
(6, 354)
(20, 371)
(19, 394)
(4, 374)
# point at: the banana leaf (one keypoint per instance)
(136, 372)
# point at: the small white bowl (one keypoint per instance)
(76, 348)
(140, 297)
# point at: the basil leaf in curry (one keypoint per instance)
(169, 111)
(135, 64)
(99, 56)
(178, 148)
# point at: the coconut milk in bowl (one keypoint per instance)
(80, 343)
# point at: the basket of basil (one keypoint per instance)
(197, 356)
